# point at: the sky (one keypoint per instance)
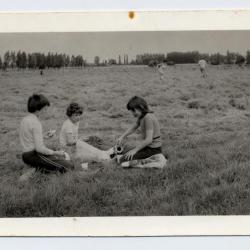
(108, 45)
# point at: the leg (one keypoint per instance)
(146, 153)
(155, 161)
(47, 163)
(87, 152)
(143, 154)
(205, 73)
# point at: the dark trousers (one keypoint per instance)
(143, 153)
(47, 163)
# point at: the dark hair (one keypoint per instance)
(74, 108)
(137, 102)
(37, 102)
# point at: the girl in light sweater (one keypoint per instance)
(35, 153)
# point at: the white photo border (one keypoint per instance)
(97, 21)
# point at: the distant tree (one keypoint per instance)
(248, 57)
(4, 68)
(79, 61)
(216, 59)
(147, 58)
(97, 60)
(119, 60)
(67, 61)
(183, 57)
(49, 60)
(112, 61)
(133, 62)
(240, 59)
(127, 59)
(204, 56)
(57, 60)
(1, 63)
(19, 59)
(41, 61)
(32, 61)
(7, 59)
(12, 59)
(24, 60)
(230, 58)
(72, 61)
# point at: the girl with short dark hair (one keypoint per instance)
(35, 153)
(69, 131)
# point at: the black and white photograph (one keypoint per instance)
(129, 123)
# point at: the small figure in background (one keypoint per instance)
(161, 70)
(202, 63)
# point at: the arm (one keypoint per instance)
(39, 145)
(148, 139)
(129, 131)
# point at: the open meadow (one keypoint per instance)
(205, 129)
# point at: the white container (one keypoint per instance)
(125, 164)
(84, 166)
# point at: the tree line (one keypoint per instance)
(192, 57)
(23, 60)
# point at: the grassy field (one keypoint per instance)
(205, 128)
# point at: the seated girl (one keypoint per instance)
(150, 145)
(35, 153)
(69, 138)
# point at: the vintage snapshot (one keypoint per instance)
(124, 123)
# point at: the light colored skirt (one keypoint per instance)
(87, 153)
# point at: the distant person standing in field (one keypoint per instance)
(35, 153)
(150, 145)
(202, 64)
(161, 70)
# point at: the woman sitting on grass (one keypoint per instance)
(35, 153)
(150, 144)
(78, 149)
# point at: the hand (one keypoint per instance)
(59, 153)
(50, 133)
(130, 154)
(120, 140)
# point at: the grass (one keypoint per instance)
(205, 129)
